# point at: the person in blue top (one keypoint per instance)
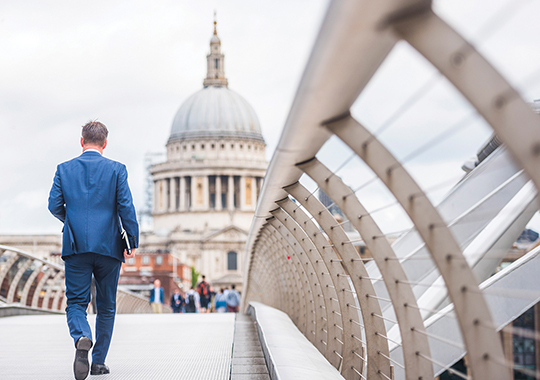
(232, 299)
(90, 195)
(157, 297)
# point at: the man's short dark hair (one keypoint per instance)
(94, 133)
(233, 286)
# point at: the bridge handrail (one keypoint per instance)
(287, 249)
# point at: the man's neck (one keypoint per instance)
(92, 149)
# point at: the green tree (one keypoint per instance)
(194, 277)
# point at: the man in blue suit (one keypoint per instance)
(91, 196)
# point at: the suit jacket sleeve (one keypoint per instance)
(56, 199)
(126, 210)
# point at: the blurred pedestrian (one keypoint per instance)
(177, 301)
(157, 297)
(204, 293)
(220, 304)
(233, 300)
(192, 301)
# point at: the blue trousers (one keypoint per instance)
(106, 270)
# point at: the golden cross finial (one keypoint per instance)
(215, 22)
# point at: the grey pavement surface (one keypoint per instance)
(144, 346)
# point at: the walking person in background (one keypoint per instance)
(204, 293)
(157, 298)
(177, 301)
(91, 197)
(233, 300)
(192, 301)
(220, 304)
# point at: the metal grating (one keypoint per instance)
(145, 346)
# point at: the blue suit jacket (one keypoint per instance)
(88, 195)
(161, 296)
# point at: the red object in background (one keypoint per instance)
(288, 257)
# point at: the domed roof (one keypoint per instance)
(215, 111)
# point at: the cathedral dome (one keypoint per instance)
(215, 112)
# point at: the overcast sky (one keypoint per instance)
(131, 64)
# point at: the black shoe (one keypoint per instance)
(81, 365)
(99, 369)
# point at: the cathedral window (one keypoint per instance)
(212, 191)
(232, 261)
(193, 147)
(202, 146)
(176, 193)
(185, 147)
(236, 182)
(232, 146)
(222, 146)
(224, 190)
(241, 146)
(146, 260)
(159, 260)
(213, 146)
(217, 63)
(249, 147)
(188, 192)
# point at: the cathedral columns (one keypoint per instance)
(218, 193)
(156, 196)
(242, 203)
(172, 194)
(230, 195)
(254, 192)
(182, 206)
(206, 192)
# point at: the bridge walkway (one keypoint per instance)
(145, 346)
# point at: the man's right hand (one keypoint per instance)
(129, 256)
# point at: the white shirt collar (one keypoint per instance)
(92, 150)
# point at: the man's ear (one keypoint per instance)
(82, 142)
(104, 145)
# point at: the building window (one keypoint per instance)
(202, 146)
(213, 146)
(236, 182)
(224, 190)
(187, 194)
(193, 147)
(212, 191)
(159, 260)
(217, 63)
(131, 261)
(146, 260)
(185, 147)
(176, 193)
(524, 348)
(222, 146)
(232, 261)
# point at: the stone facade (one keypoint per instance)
(206, 192)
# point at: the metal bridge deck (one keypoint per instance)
(144, 346)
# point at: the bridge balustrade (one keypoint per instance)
(367, 315)
(36, 283)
